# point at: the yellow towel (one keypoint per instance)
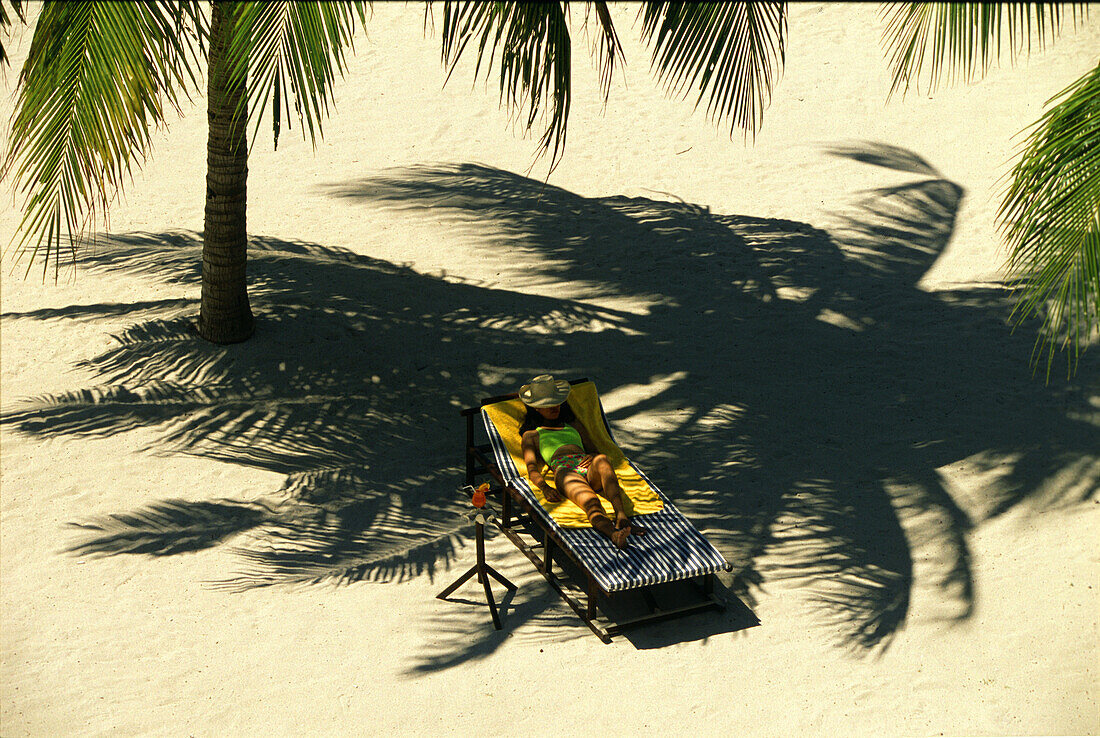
(641, 498)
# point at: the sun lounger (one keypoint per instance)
(673, 550)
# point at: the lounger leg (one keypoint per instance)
(590, 611)
(548, 562)
(650, 600)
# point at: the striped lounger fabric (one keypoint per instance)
(672, 548)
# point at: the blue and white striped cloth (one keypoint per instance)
(672, 548)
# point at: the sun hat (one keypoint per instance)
(544, 391)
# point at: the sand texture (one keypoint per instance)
(801, 340)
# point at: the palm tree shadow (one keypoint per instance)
(339, 392)
(804, 390)
(879, 154)
(169, 527)
(816, 388)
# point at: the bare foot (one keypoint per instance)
(619, 537)
(624, 528)
(632, 528)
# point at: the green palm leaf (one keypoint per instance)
(1051, 218)
(607, 46)
(1051, 212)
(296, 47)
(91, 93)
(6, 21)
(965, 38)
(730, 52)
(535, 56)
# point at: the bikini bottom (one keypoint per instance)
(570, 462)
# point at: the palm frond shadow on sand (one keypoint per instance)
(804, 389)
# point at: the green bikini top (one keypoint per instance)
(551, 439)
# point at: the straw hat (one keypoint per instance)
(544, 391)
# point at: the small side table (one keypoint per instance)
(483, 571)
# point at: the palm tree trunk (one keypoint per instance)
(224, 314)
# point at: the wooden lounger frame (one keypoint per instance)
(479, 462)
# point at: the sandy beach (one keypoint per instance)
(802, 339)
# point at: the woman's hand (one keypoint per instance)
(551, 494)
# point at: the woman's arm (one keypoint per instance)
(533, 459)
(589, 445)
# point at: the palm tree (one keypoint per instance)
(98, 76)
(95, 86)
(225, 315)
(1050, 214)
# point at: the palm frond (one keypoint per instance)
(535, 57)
(607, 46)
(292, 50)
(965, 38)
(7, 21)
(1051, 219)
(730, 52)
(90, 95)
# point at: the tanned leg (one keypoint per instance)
(577, 489)
(602, 478)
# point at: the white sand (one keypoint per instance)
(933, 401)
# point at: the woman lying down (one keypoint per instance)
(553, 436)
